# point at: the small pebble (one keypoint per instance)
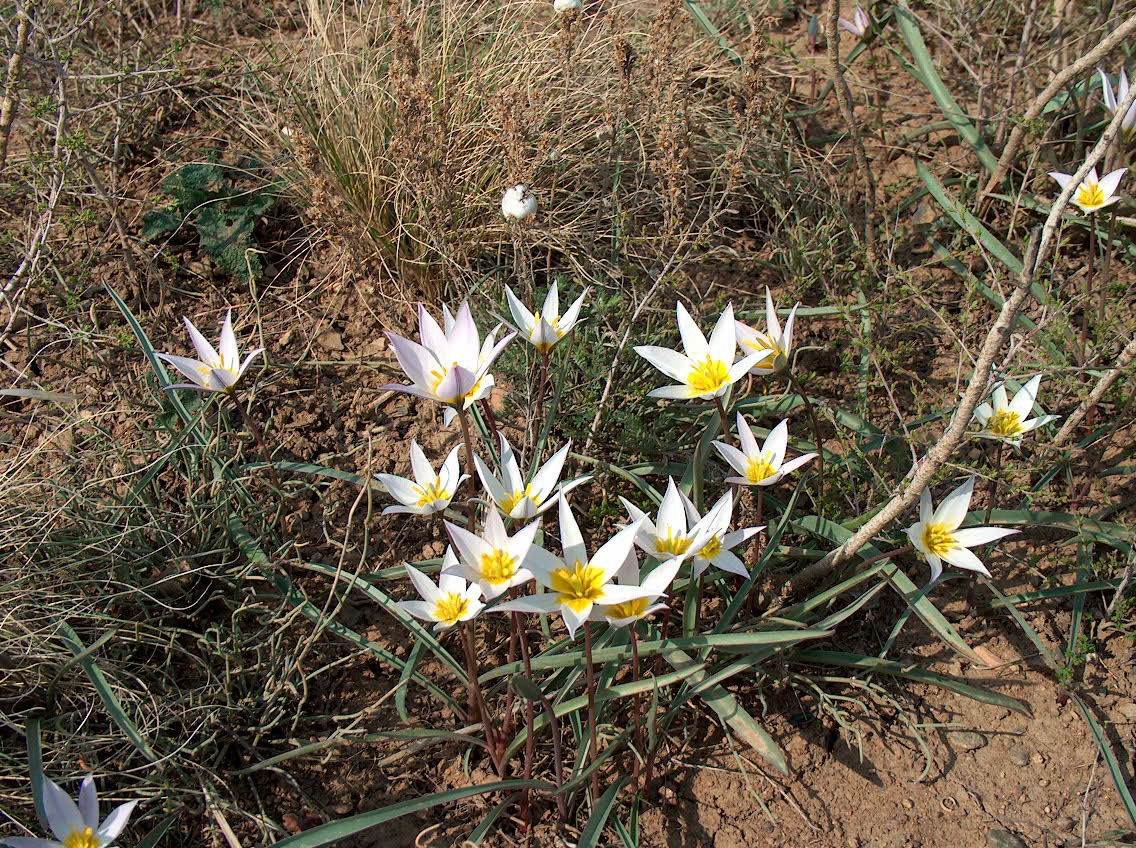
(908, 803)
(968, 740)
(1019, 756)
(1003, 839)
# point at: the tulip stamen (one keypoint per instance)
(84, 838)
(1005, 422)
(449, 609)
(760, 468)
(708, 376)
(938, 539)
(498, 566)
(579, 586)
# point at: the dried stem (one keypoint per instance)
(638, 707)
(1103, 385)
(467, 438)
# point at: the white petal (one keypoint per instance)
(230, 356)
(571, 540)
(115, 822)
(470, 547)
(541, 564)
(544, 603)
(493, 531)
(399, 488)
(970, 537)
(1024, 400)
(982, 413)
(521, 314)
(420, 465)
(936, 567)
(489, 481)
(1109, 182)
(433, 337)
(776, 443)
(545, 480)
(793, 464)
(952, 510)
(727, 561)
(1106, 92)
(660, 578)
(552, 302)
(787, 336)
(672, 513)
(732, 455)
(190, 368)
(422, 584)
(1063, 180)
(512, 479)
(746, 439)
(415, 360)
(449, 471)
(723, 340)
(419, 609)
(772, 325)
(925, 510)
(670, 362)
(573, 619)
(205, 351)
(693, 342)
(673, 393)
(89, 802)
(963, 558)
(63, 816)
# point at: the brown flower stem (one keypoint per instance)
(477, 706)
(1088, 287)
(815, 421)
(467, 437)
(593, 736)
(530, 743)
(557, 757)
(491, 420)
(258, 437)
(724, 429)
(542, 385)
(664, 628)
(751, 601)
(1106, 268)
(993, 494)
(638, 707)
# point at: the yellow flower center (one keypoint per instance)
(554, 323)
(1004, 422)
(431, 492)
(760, 468)
(763, 343)
(510, 501)
(708, 376)
(84, 838)
(938, 539)
(711, 549)
(498, 566)
(450, 609)
(672, 544)
(1090, 196)
(579, 586)
(629, 609)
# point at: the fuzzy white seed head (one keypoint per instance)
(518, 203)
(562, 6)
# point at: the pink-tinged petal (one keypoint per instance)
(670, 362)
(228, 347)
(793, 464)
(27, 842)
(723, 339)
(463, 337)
(63, 815)
(410, 390)
(419, 609)
(485, 362)
(221, 380)
(521, 315)
(971, 537)
(737, 460)
(190, 368)
(847, 25)
(1063, 180)
(422, 584)
(1111, 180)
(953, 509)
(415, 360)
(433, 337)
(746, 439)
(693, 342)
(776, 443)
(89, 803)
(963, 558)
(453, 385)
(420, 465)
(248, 361)
(205, 351)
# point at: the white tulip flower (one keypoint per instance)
(547, 326)
(450, 366)
(450, 601)
(762, 466)
(655, 584)
(1128, 125)
(860, 23)
(494, 560)
(428, 492)
(1008, 420)
(518, 499)
(707, 369)
(212, 371)
(576, 583)
(718, 549)
(562, 6)
(1092, 194)
(518, 203)
(75, 826)
(774, 345)
(937, 537)
(669, 536)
